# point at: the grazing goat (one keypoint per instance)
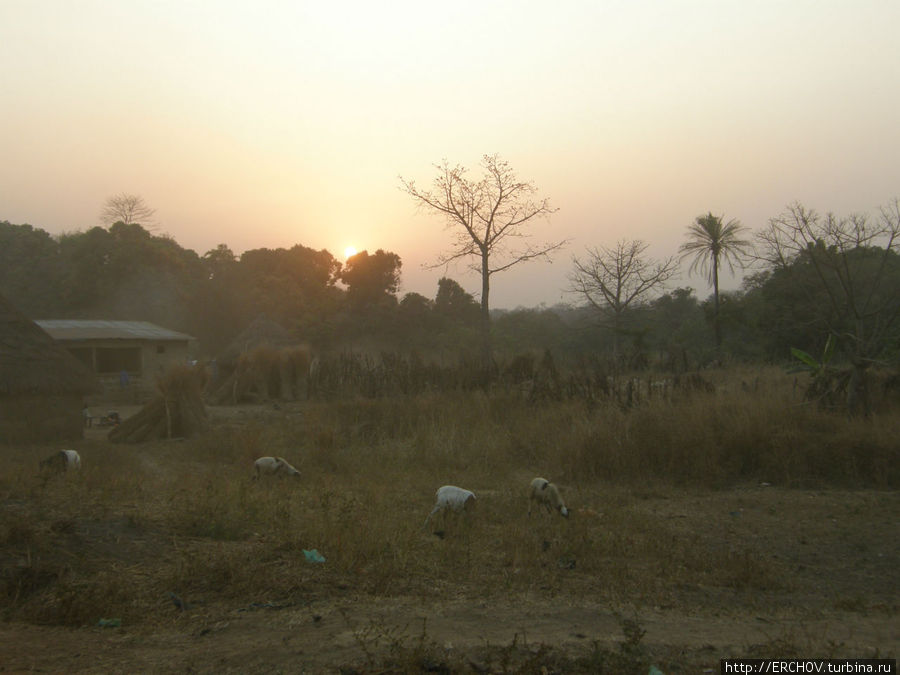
(546, 494)
(62, 461)
(453, 498)
(273, 466)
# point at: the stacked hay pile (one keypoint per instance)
(266, 373)
(177, 412)
(294, 370)
(262, 363)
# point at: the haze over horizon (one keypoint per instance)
(281, 123)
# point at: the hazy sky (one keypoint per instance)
(267, 124)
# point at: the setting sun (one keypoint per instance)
(349, 252)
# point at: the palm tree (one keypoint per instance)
(711, 240)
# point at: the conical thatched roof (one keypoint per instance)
(32, 362)
(261, 331)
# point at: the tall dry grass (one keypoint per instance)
(186, 517)
(709, 439)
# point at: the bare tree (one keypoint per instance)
(489, 216)
(127, 208)
(615, 279)
(856, 269)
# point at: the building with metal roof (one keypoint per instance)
(80, 329)
(125, 355)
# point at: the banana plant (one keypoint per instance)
(809, 364)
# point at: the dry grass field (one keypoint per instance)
(737, 522)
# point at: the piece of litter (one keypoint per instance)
(313, 556)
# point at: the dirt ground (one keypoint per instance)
(842, 600)
(323, 636)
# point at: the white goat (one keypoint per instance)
(546, 494)
(62, 461)
(273, 466)
(450, 497)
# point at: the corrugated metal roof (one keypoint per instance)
(80, 329)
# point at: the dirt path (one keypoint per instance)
(324, 636)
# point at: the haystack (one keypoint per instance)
(177, 411)
(42, 386)
(262, 331)
(266, 373)
(262, 363)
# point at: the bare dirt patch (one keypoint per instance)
(325, 635)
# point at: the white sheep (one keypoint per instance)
(273, 466)
(546, 494)
(450, 497)
(62, 461)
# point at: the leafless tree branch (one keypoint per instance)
(488, 217)
(129, 209)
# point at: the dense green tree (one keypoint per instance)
(371, 279)
(678, 330)
(294, 287)
(30, 269)
(416, 324)
(221, 306)
(138, 275)
(784, 310)
(455, 304)
(219, 261)
(416, 312)
(416, 304)
(86, 279)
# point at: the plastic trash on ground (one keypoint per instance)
(313, 556)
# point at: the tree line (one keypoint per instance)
(814, 280)
(798, 300)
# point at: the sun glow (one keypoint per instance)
(349, 252)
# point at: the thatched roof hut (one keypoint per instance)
(261, 332)
(42, 386)
(263, 362)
